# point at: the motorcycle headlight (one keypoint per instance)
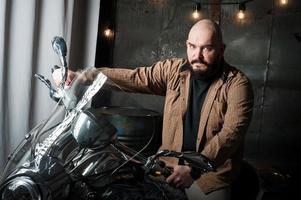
(21, 188)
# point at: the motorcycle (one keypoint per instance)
(76, 154)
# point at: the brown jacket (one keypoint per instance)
(225, 115)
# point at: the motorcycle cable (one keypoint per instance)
(87, 158)
(123, 147)
(136, 154)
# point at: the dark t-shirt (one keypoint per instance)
(197, 93)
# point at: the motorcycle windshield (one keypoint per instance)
(55, 135)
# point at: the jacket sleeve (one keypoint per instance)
(236, 121)
(149, 80)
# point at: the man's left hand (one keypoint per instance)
(180, 177)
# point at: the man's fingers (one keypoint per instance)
(57, 77)
(180, 177)
(177, 181)
(171, 178)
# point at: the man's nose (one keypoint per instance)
(199, 53)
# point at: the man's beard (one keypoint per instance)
(212, 69)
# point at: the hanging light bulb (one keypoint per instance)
(197, 12)
(283, 2)
(241, 11)
(108, 32)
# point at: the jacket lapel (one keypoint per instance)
(184, 87)
(206, 108)
(184, 90)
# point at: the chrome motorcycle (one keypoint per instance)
(75, 153)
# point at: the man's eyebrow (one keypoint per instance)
(206, 45)
(190, 43)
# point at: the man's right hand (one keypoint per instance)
(180, 176)
(85, 77)
(57, 77)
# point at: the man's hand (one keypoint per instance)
(180, 176)
(85, 77)
(57, 77)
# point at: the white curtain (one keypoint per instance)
(26, 30)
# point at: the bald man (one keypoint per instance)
(208, 108)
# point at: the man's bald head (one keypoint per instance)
(209, 25)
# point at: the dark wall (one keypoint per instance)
(267, 49)
(266, 46)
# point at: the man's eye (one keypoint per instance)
(191, 46)
(207, 48)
